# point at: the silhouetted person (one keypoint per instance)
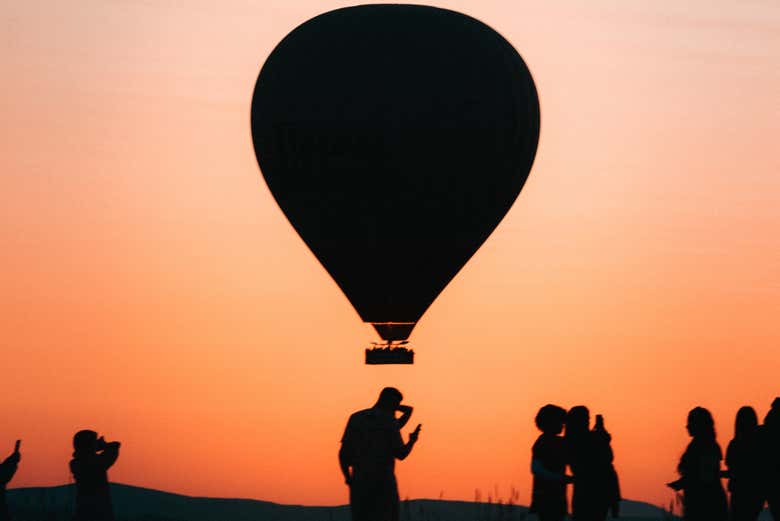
(7, 470)
(590, 457)
(92, 458)
(548, 465)
(604, 440)
(703, 496)
(771, 443)
(371, 443)
(744, 460)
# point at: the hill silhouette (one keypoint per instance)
(142, 504)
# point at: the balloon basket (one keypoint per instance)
(388, 354)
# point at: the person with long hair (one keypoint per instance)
(92, 457)
(590, 459)
(703, 496)
(745, 472)
(771, 438)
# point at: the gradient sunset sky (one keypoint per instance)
(152, 289)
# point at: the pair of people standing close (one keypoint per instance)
(752, 460)
(588, 453)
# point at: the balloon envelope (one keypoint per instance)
(394, 138)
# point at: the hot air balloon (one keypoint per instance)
(394, 138)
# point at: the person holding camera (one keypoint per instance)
(92, 457)
(371, 443)
(7, 470)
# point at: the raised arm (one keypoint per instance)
(109, 455)
(9, 465)
(406, 413)
(402, 449)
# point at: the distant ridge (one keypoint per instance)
(143, 504)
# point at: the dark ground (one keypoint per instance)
(141, 504)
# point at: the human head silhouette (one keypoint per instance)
(389, 399)
(772, 418)
(550, 419)
(700, 423)
(577, 420)
(84, 442)
(746, 421)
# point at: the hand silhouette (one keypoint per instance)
(675, 485)
(415, 434)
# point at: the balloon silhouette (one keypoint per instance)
(394, 138)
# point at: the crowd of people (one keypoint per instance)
(92, 457)
(568, 452)
(752, 468)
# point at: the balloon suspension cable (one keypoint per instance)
(389, 352)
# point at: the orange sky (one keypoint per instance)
(152, 289)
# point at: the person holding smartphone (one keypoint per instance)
(590, 458)
(92, 457)
(7, 470)
(371, 443)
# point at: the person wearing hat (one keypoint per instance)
(92, 457)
